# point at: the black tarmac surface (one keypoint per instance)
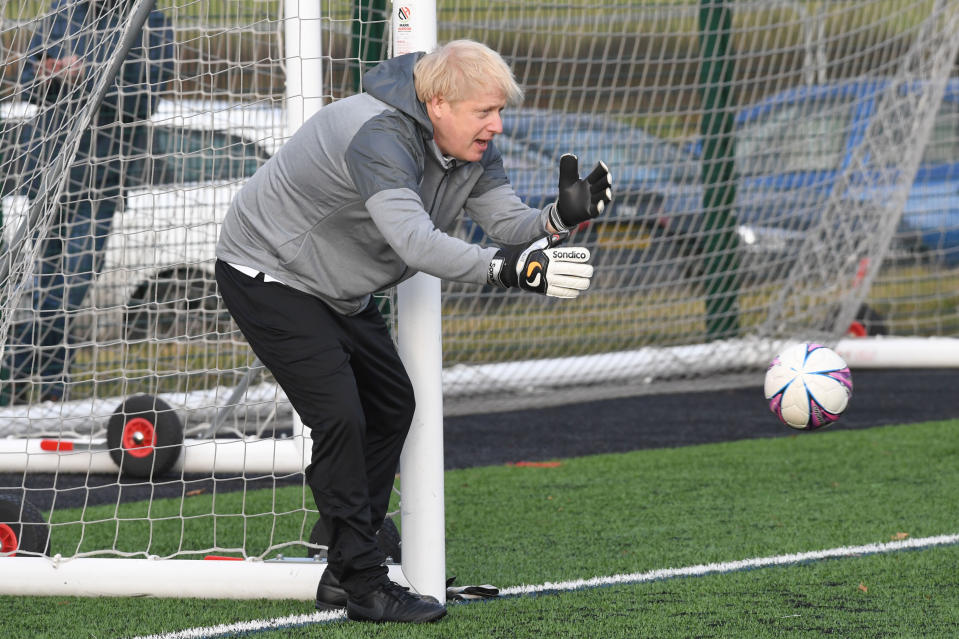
(652, 421)
(659, 421)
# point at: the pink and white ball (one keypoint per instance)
(808, 386)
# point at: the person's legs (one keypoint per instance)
(314, 354)
(71, 256)
(27, 333)
(386, 395)
(65, 280)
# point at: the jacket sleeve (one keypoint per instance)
(385, 164)
(494, 205)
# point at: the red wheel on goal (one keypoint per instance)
(23, 530)
(144, 436)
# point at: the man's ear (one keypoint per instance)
(438, 105)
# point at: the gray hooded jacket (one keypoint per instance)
(360, 199)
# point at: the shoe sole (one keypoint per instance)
(331, 600)
(439, 614)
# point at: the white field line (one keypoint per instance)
(257, 625)
(734, 566)
(700, 570)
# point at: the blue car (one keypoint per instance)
(792, 150)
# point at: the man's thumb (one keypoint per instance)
(568, 170)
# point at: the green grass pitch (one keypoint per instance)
(637, 512)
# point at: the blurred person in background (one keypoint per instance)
(66, 55)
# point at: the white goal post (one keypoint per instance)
(420, 342)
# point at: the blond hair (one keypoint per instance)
(459, 68)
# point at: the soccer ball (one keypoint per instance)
(808, 386)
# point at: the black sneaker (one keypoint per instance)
(330, 595)
(392, 602)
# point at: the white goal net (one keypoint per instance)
(782, 171)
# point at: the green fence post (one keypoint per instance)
(719, 181)
(367, 41)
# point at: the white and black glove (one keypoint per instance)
(579, 200)
(469, 593)
(543, 268)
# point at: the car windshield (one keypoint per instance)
(518, 155)
(538, 139)
(795, 137)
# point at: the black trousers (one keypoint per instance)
(344, 378)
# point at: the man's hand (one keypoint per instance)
(67, 69)
(542, 268)
(579, 199)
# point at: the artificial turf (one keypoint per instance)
(621, 513)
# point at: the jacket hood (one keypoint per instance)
(391, 81)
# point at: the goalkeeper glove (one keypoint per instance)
(541, 268)
(579, 200)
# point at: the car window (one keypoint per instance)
(518, 155)
(625, 149)
(183, 155)
(618, 147)
(796, 137)
(943, 146)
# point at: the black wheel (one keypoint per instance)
(387, 538)
(868, 321)
(181, 304)
(144, 436)
(23, 530)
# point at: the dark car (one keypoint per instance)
(651, 179)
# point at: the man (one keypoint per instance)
(59, 73)
(356, 201)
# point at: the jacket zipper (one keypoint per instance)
(446, 174)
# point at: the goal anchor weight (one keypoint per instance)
(387, 538)
(144, 436)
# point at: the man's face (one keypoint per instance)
(465, 128)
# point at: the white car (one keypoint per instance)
(157, 277)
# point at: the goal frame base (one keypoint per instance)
(174, 578)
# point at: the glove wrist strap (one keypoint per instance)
(498, 273)
(555, 220)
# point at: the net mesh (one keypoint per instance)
(781, 171)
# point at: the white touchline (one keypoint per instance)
(211, 632)
(734, 566)
(249, 626)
